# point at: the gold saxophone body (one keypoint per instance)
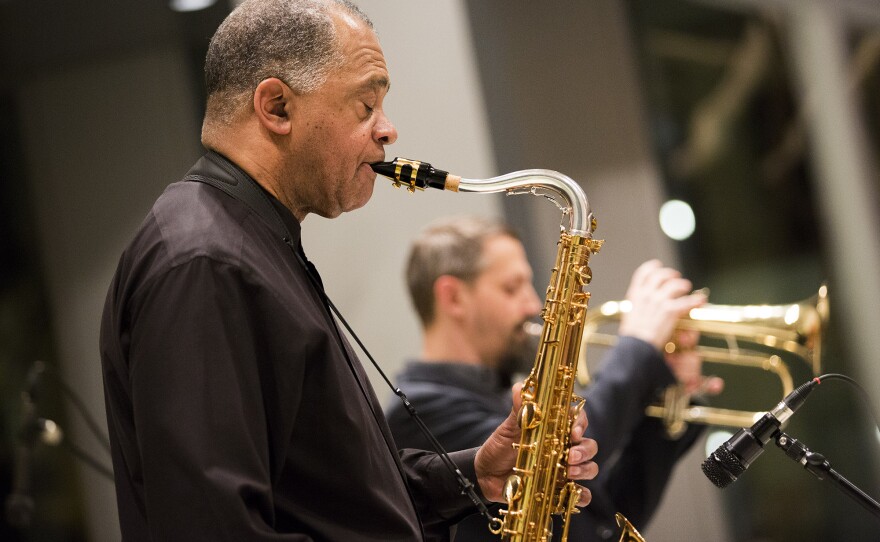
(539, 486)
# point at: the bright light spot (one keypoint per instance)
(792, 314)
(716, 439)
(677, 220)
(614, 308)
(190, 5)
(609, 308)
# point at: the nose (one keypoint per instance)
(533, 303)
(384, 131)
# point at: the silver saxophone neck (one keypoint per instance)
(564, 192)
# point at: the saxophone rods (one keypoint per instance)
(539, 486)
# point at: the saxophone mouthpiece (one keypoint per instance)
(416, 175)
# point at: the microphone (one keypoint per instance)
(732, 458)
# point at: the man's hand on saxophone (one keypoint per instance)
(497, 457)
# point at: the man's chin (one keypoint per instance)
(365, 186)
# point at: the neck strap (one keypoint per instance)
(217, 171)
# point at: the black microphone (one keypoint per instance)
(733, 457)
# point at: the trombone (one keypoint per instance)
(795, 328)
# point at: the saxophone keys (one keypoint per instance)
(529, 415)
(527, 447)
(513, 488)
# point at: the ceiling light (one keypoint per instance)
(190, 5)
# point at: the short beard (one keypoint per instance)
(519, 357)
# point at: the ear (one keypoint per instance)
(273, 105)
(450, 296)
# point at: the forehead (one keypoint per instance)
(502, 253)
(362, 54)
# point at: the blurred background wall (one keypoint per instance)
(763, 116)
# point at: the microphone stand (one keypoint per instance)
(19, 504)
(820, 467)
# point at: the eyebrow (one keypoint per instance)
(380, 82)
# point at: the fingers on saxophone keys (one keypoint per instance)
(584, 471)
(580, 425)
(586, 497)
(580, 466)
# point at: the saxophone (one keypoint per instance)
(539, 486)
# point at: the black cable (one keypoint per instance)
(863, 393)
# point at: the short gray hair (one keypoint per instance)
(293, 40)
(449, 246)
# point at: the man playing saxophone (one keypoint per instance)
(237, 409)
(470, 284)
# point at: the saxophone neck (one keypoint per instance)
(568, 196)
(561, 190)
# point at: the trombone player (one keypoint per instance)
(471, 286)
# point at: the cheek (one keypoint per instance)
(351, 137)
(332, 134)
(496, 312)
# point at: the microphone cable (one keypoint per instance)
(863, 394)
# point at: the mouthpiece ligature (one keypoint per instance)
(416, 175)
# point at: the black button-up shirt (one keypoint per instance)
(236, 409)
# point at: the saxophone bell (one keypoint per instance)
(628, 532)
